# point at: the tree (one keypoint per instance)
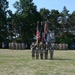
(3, 20)
(45, 13)
(67, 29)
(63, 17)
(27, 18)
(54, 14)
(71, 19)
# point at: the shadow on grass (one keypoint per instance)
(54, 59)
(61, 59)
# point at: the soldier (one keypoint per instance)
(9, 45)
(56, 46)
(23, 46)
(51, 50)
(33, 49)
(12, 45)
(66, 46)
(46, 50)
(63, 46)
(60, 46)
(16, 46)
(37, 50)
(41, 50)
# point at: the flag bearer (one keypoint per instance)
(37, 50)
(41, 50)
(52, 50)
(33, 49)
(46, 50)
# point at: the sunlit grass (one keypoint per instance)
(19, 62)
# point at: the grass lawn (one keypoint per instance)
(19, 62)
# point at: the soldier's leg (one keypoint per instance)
(37, 54)
(33, 54)
(41, 54)
(46, 54)
(51, 54)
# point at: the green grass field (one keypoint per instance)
(19, 62)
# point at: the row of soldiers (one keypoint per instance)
(61, 46)
(42, 49)
(16, 46)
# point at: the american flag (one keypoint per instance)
(41, 32)
(37, 33)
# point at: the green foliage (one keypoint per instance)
(26, 10)
(21, 26)
(44, 14)
(3, 20)
(66, 38)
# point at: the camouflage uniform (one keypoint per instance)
(41, 47)
(51, 50)
(33, 50)
(37, 50)
(23, 46)
(46, 50)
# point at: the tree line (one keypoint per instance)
(21, 25)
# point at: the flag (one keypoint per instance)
(45, 28)
(45, 31)
(37, 33)
(41, 34)
(41, 37)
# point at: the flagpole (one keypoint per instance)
(41, 37)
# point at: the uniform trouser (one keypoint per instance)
(37, 54)
(46, 54)
(41, 54)
(51, 54)
(33, 53)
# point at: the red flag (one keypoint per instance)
(41, 32)
(37, 33)
(45, 28)
(45, 31)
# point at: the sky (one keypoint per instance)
(49, 4)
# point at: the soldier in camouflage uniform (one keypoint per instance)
(51, 50)
(37, 50)
(33, 49)
(46, 50)
(41, 47)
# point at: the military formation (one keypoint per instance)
(17, 46)
(44, 44)
(46, 50)
(61, 46)
(42, 50)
